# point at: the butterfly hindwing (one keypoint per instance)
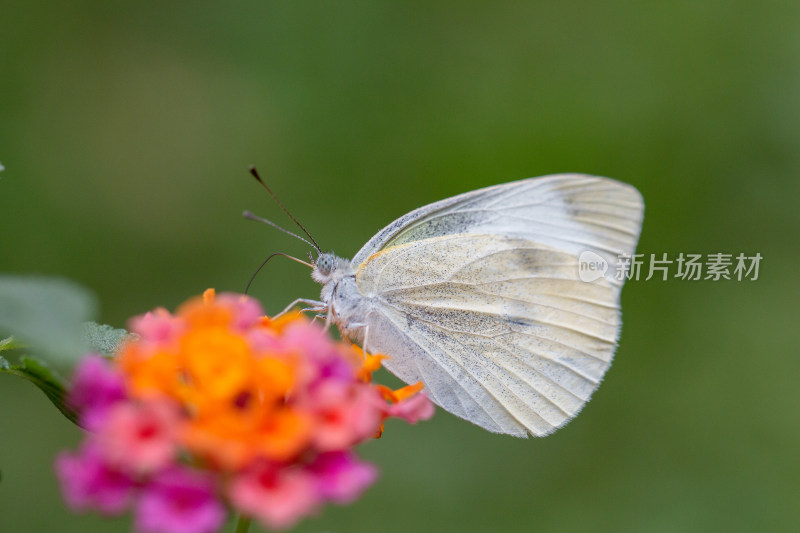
(506, 327)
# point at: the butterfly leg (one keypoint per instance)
(356, 325)
(366, 334)
(316, 306)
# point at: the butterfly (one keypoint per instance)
(481, 297)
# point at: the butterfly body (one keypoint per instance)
(479, 297)
(347, 305)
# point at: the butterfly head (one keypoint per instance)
(328, 267)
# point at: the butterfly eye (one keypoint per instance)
(324, 264)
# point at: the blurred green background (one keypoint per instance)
(126, 129)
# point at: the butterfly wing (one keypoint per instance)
(570, 212)
(479, 297)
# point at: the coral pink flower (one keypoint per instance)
(156, 327)
(412, 409)
(308, 338)
(346, 413)
(277, 497)
(87, 482)
(247, 312)
(140, 437)
(179, 500)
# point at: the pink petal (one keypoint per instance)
(277, 497)
(157, 326)
(261, 341)
(367, 412)
(413, 409)
(96, 386)
(346, 414)
(247, 311)
(140, 438)
(179, 501)
(341, 477)
(88, 483)
(310, 340)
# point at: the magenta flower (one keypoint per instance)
(179, 500)
(95, 388)
(341, 477)
(87, 482)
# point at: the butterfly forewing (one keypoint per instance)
(570, 212)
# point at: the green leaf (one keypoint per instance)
(47, 314)
(38, 373)
(103, 338)
(9, 344)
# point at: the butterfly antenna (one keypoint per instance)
(267, 260)
(254, 172)
(251, 216)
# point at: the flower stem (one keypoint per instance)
(242, 524)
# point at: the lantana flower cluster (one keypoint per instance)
(218, 408)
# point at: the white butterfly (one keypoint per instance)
(479, 297)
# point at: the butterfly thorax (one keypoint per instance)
(340, 294)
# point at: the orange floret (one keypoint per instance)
(150, 372)
(218, 363)
(283, 434)
(400, 394)
(278, 324)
